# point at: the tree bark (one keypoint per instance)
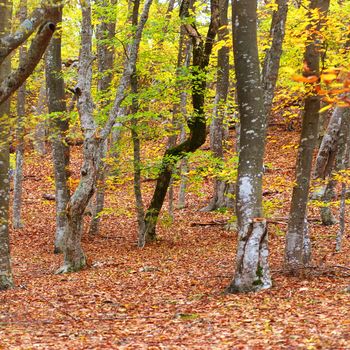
(40, 128)
(105, 33)
(21, 104)
(221, 188)
(94, 138)
(252, 269)
(298, 245)
(197, 124)
(6, 280)
(272, 57)
(36, 50)
(59, 126)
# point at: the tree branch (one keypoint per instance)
(24, 31)
(13, 81)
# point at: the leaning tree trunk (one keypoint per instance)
(21, 106)
(298, 245)
(197, 124)
(59, 127)
(252, 269)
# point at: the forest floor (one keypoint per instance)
(170, 295)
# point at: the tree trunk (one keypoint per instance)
(325, 161)
(221, 188)
(105, 33)
(59, 127)
(272, 58)
(5, 68)
(342, 163)
(252, 269)
(298, 246)
(196, 124)
(40, 128)
(21, 104)
(9, 83)
(94, 138)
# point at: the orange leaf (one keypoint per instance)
(302, 79)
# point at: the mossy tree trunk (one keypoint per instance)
(252, 269)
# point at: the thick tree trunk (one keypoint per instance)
(74, 257)
(59, 127)
(298, 245)
(21, 104)
(252, 269)
(196, 124)
(5, 68)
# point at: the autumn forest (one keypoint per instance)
(174, 174)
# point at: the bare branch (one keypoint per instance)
(12, 82)
(11, 41)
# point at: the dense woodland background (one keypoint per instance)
(174, 174)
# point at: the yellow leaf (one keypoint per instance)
(325, 108)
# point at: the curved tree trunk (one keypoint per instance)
(94, 139)
(252, 269)
(196, 124)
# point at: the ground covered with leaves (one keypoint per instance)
(170, 295)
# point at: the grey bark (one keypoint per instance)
(36, 50)
(140, 212)
(325, 162)
(6, 280)
(342, 163)
(222, 190)
(298, 246)
(59, 126)
(11, 41)
(9, 83)
(252, 269)
(272, 57)
(40, 128)
(327, 151)
(74, 257)
(21, 104)
(183, 112)
(105, 33)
